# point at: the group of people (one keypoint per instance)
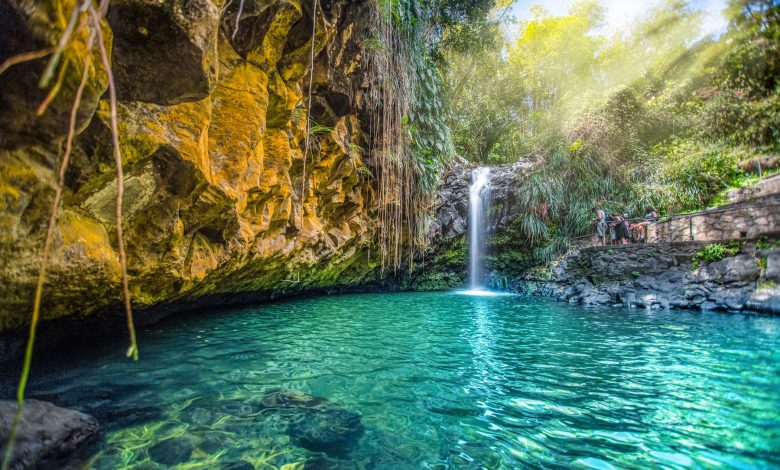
(623, 230)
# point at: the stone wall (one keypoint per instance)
(662, 276)
(765, 187)
(750, 218)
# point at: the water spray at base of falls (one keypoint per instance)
(479, 195)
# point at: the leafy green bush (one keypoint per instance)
(716, 252)
(689, 174)
(764, 244)
(658, 117)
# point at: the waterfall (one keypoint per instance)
(478, 197)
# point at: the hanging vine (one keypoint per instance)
(410, 142)
(79, 16)
(307, 140)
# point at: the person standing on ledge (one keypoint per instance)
(601, 226)
(621, 230)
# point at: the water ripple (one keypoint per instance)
(445, 381)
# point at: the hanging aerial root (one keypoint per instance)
(51, 66)
(53, 91)
(45, 258)
(238, 18)
(308, 110)
(25, 57)
(132, 351)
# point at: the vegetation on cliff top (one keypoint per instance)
(658, 115)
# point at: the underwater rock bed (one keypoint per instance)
(207, 427)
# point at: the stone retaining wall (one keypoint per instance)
(767, 186)
(748, 219)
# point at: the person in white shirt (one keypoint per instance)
(601, 225)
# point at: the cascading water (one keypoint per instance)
(479, 194)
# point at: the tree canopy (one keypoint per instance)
(659, 114)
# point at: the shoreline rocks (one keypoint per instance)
(661, 276)
(48, 436)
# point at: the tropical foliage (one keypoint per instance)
(657, 115)
(411, 144)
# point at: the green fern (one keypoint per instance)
(355, 149)
(319, 129)
(365, 171)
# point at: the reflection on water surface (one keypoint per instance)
(434, 380)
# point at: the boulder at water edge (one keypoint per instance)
(48, 436)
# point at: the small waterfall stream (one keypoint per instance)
(479, 195)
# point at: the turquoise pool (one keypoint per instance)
(432, 380)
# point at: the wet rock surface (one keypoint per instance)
(443, 263)
(29, 26)
(48, 436)
(452, 198)
(167, 53)
(661, 276)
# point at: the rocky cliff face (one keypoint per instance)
(444, 263)
(452, 198)
(212, 132)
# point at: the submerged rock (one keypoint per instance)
(316, 423)
(291, 399)
(211, 443)
(47, 435)
(108, 403)
(333, 431)
(325, 463)
(201, 416)
(148, 465)
(240, 465)
(172, 451)
(238, 408)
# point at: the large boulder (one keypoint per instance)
(48, 436)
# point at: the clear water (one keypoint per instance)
(442, 381)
